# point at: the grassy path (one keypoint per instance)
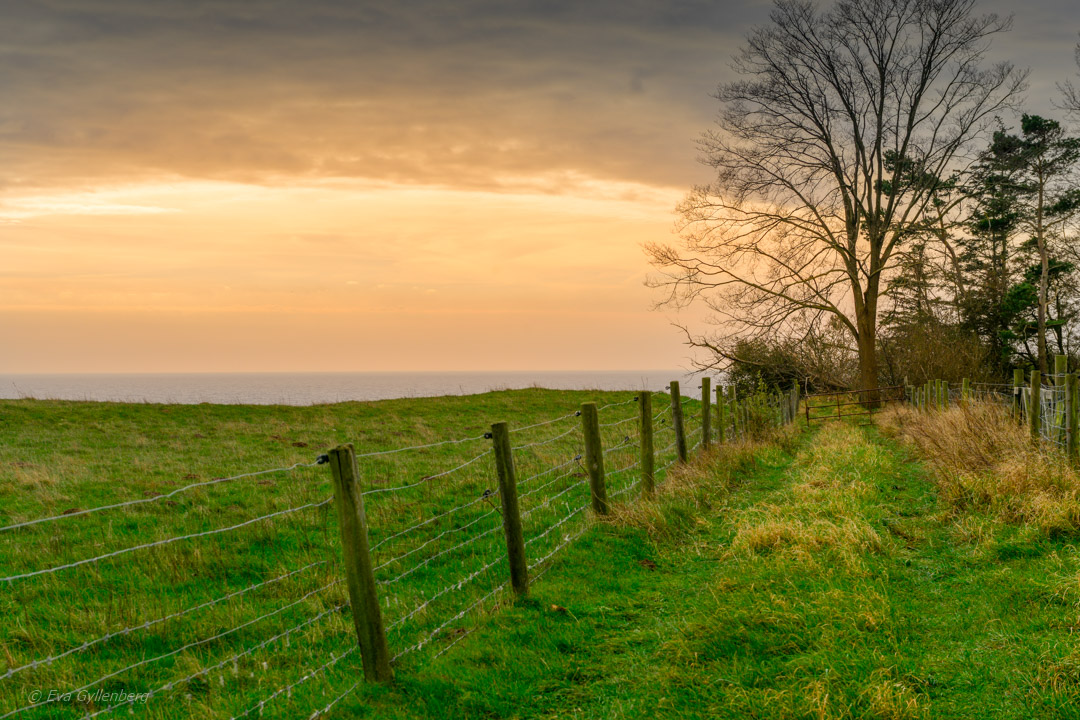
(826, 584)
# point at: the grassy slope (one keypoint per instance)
(827, 585)
(59, 456)
(827, 582)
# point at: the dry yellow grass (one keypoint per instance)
(689, 489)
(823, 511)
(985, 461)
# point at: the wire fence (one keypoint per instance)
(101, 625)
(1048, 403)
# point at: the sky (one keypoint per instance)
(341, 185)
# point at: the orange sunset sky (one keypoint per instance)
(331, 185)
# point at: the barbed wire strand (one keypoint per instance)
(355, 685)
(548, 484)
(556, 525)
(459, 585)
(429, 478)
(552, 469)
(232, 659)
(420, 447)
(141, 663)
(620, 404)
(444, 533)
(544, 442)
(432, 519)
(546, 422)
(150, 623)
(439, 554)
(158, 543)
(156, 498)
(548, 502)
(334, 659)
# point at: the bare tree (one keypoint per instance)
(829, 153)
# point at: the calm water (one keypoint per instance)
(310, 388)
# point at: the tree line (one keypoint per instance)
(883, 208)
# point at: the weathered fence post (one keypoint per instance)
(648, 459)
(1035, 405)
(1061, 368)
(359, 572)
(721, 421)
(511, 514)
(1018, 389)
(931, 398)
(594, 457)
(677, 420)
(706, 412)
(1076, 417)
(1071, 442)
(733, 398)
(965, 391)
(945, 394)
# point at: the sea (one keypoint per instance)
(314, 388)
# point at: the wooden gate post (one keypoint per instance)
(359, 572)
(511, 513)
(594, 456)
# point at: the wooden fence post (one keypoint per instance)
(594, 456)
(677, 420)
(945, 393)
(721, 421)
(1018, 389)
(965, 391)
(1035, 405)
(648, 459)
(706, 413)
(359, 572)
(1071, 441)
(511, 514)
(1061, 368)
(733, 399)
(1076, 417)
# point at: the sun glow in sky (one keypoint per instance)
(294, 186)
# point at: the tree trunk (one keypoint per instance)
(868, 360)
(1044, 277)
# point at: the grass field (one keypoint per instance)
(187, 617)
(835, 572)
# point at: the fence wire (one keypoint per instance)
(438, 551)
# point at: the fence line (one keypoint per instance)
(1047, 403)
(445, 545)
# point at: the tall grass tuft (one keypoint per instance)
(690, 491)
(985, 462)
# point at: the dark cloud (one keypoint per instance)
(468, 93)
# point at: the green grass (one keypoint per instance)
(58, 457)
(814, 575)
(826, 583)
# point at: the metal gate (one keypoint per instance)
(821, 406)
